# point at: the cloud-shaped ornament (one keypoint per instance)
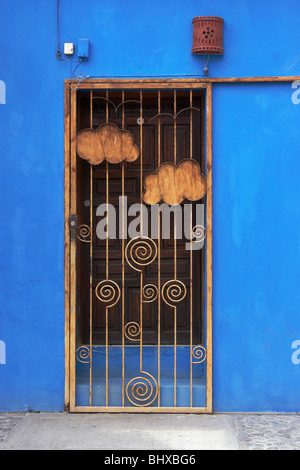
(109, 143)
(174, 183)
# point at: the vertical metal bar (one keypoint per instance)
(107, 271)
(191, 124)
(123, 263)
(175, 258)
(141, 321)
(106, 186)
(191, 263)
(158, 261)
(73, 210)
(209, 245)
(175, 162)
(141, 227)
(91, 255)
(106, 356)
(141, 151)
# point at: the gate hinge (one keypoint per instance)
(73, 224)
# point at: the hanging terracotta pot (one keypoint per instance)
(207, 35)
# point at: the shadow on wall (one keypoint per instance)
(2, 353)
(2, 92)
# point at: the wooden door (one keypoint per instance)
(148, 291)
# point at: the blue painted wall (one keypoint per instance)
(256, 210)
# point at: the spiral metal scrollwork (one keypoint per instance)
(83, 233)
(83, 354)
(199, 233)
(173, 291)
(199, 354)
(142, 390)
(108, 291)
(150, 293)
(132, 331)
(140, 251)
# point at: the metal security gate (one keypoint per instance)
(138, 246)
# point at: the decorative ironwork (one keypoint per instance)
(173, 291)
(172, 182)
(199, 354)
(108, 291)
(132, 330)
(83, 354)
(199, 233)
(108, 142)
(174, 116)
(150, 293)
(116, 108)
(142, 391)
(139, 252)
(83, 233)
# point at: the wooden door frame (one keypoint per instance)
(71, 88)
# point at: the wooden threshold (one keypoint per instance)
(132, 409)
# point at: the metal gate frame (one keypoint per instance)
(71, 88)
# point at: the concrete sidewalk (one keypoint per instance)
(171, 432)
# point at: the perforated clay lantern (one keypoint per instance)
(207, 35)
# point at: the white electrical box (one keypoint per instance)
(68, 48)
